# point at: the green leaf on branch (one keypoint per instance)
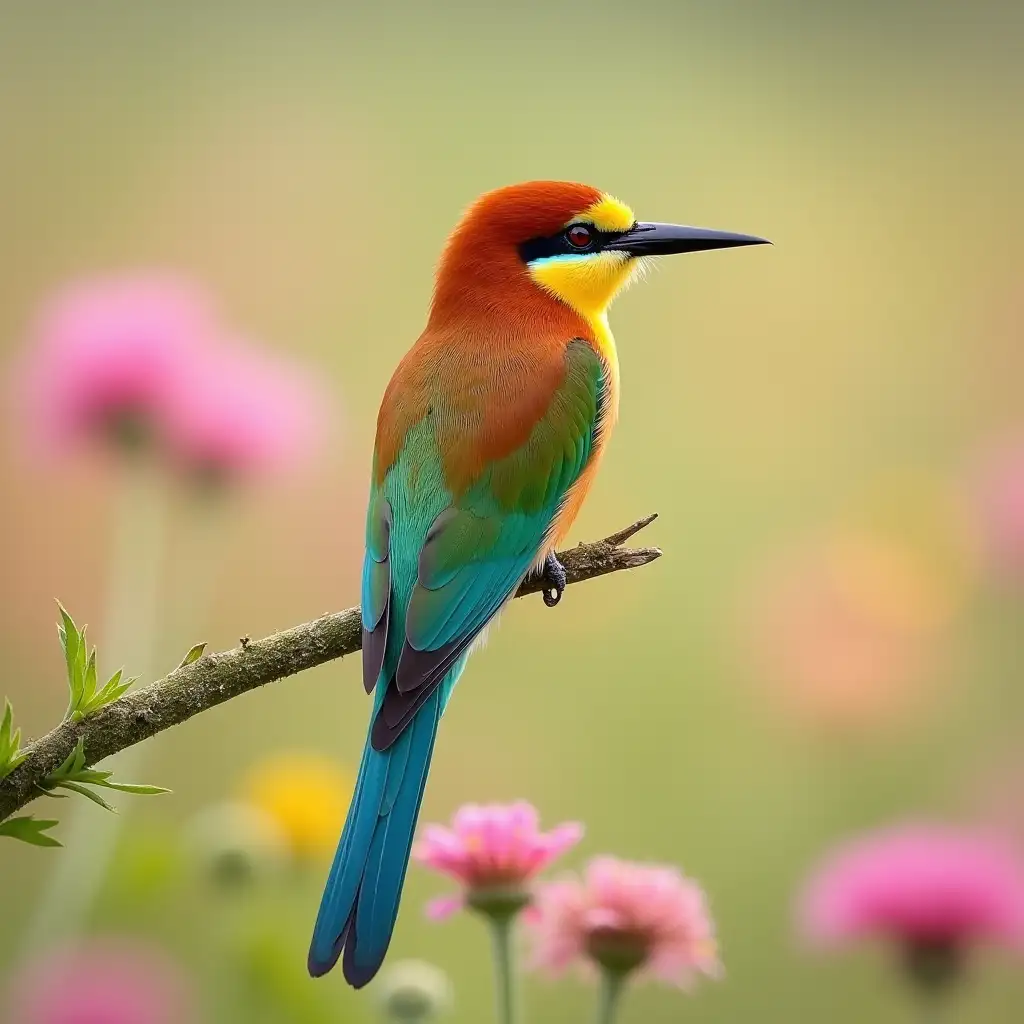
(83, 790)
(75, 777)
(195, 652)
(10, 743)
(86, 696)
(72, 640)
(138, 788)
(30, 830)
(111, 690)
(90, 673)
(72, 764)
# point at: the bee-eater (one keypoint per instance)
(488, 439)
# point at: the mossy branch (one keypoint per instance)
(200, 684)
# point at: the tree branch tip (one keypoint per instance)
(618, 539)
(633, 558)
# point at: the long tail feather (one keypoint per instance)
(360, 902)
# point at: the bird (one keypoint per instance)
(488, 438)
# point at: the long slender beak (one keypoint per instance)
(662, 239)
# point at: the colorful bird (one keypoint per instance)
(488, 439)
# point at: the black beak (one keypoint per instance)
(662, 239)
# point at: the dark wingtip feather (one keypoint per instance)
(400, 703)
(383, 735)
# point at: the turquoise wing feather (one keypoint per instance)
(438, 567)
(376, 588)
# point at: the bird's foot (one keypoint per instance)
(553, 575)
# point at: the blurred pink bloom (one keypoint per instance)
(999, 493)
(926, 886)
(626, 916)
(104, 982)
(491, 847)
(244, 412)
(142, 359)
(108, 357)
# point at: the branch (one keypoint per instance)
(216, 678)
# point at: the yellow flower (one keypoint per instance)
(307, 795)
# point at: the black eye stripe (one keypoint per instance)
(559, 245)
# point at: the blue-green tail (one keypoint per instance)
(360, 902)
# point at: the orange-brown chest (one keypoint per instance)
(485, 389)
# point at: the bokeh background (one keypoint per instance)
(831, 642)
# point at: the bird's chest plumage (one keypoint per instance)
(605, 345)
(608, 413)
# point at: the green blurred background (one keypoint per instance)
(306, 160)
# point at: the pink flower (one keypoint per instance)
(107, 358)
(104, 982)
(492, 848)
(143, 359)
(626, 916)
(243, 412)
(924, 885)
(1000, 508)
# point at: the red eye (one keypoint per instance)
(579, 236)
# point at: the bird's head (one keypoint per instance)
(562, 239)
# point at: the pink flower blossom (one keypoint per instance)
(104, 982)
(999, 494)
(142, 359)
(920, 885)
(626, 916)
(107, 358)
(491, 847)
(243, 412)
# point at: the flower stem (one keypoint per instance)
(612, 986)
(502, 928)
(930, 1009)
(193, 567)
(130, 625)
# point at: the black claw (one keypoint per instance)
(553, 575)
